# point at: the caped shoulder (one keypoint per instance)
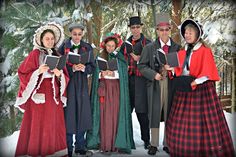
(85, 44)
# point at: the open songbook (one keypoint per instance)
(103, 64)
(170, 58)
(53, 62)
(136, 49)
(75, 58)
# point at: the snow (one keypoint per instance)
(213, 32)
(88, 16)
(6, 82)
(60, 20)
(8, 144)
(76, 14)
(6, 65)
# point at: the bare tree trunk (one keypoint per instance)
(89, 26)
(13, 118)
(97, 21)
(3, 5)
(154, 15)
(94, 33)
(233, 93)
(176, 17)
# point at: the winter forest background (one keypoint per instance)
(19, 19)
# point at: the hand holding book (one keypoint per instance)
(43, 68)
(135, 57)
(78, 58)
(107, 73)
(79, 67)
(136, 49)
(129, 47)
(107, 65)
(53, 62)
(168, 68)
(57, 72)
(170, 58)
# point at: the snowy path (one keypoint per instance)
(8, 144)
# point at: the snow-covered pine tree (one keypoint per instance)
(19, 20)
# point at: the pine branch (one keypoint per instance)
(104, 28)
(222, 60)
(215, 9)
(27, 17)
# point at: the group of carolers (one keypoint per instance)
(58, 104)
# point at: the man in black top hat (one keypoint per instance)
(132, 50)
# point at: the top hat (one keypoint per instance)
(162, 19)
(135, 20)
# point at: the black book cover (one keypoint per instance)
(73, 58)
(112, 64)
(62, 62)
(107, 65)
(84, 58)
(55, 62)
(129, 47)
(138, 47)
(162, 57)
(170, 58)
(78, 58)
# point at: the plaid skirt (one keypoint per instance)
(196, 125)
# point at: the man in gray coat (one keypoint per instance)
(159, 88)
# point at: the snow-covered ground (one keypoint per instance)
(8, 144)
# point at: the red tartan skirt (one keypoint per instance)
(196, 125)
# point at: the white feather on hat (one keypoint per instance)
(58, 32)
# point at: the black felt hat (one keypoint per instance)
(135, 20)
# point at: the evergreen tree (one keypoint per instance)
(19, 22)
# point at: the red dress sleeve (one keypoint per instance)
(26, 69)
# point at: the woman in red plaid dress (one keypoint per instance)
(196, 125)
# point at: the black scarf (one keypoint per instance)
(189, 50)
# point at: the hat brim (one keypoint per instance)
(57, 30)
(135, 24)
(74, 26)
(190, 21)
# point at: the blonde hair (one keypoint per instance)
(201, 40)
(191, 26)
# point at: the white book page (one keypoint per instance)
(161, 51)
(72, 53)
(128, 42)
(101, 59)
